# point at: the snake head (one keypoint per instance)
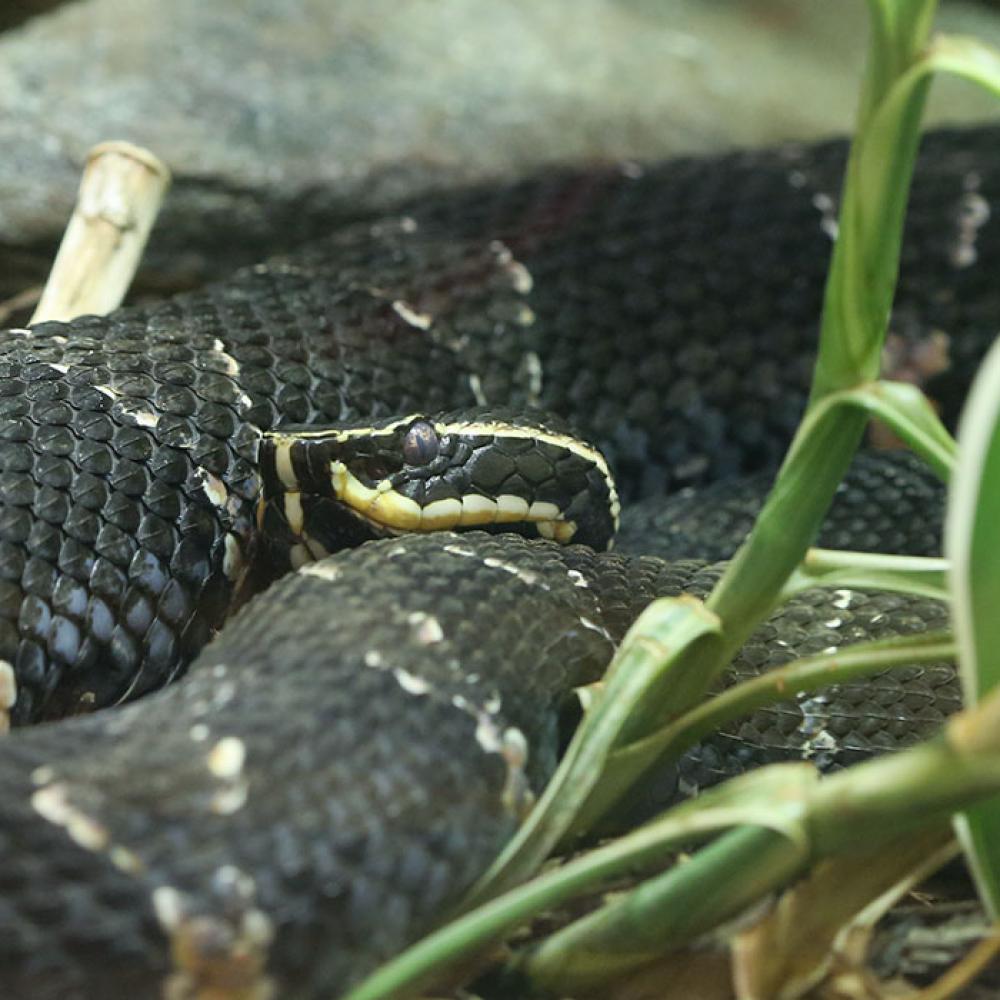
(493, 470)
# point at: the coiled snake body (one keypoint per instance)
(339, 765)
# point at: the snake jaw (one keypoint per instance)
(559, 531)
(389, 511)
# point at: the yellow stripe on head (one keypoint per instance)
(389, 510)
(416, 473)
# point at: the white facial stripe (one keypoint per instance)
(232, 560)
(497, 429)
(334, 434)
(293, 512)
(542, 510)
(477, 510)
(380, 506)
(441, 514)
(283, 464)
(560, 531)
(388, 509)
(315, 548)
(487, 428)
(514, 507)
(393, 510)
(299, 556)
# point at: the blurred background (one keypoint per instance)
(281, 118)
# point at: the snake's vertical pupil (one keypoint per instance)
(420, 445)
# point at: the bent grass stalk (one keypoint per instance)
(870, 805)
(783, 813)
(800, 677)
(972, 540)
(646, 659)
(918, 575)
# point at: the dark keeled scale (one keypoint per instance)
(889, 501)
(670, 311)
(322, 788)
(277, 817)
(128, 478)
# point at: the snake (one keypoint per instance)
(265, 731)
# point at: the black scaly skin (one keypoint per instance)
(889, 501)
(113, 550)
(677, 308)
(383, 747)
(838, 726)
(671, 314)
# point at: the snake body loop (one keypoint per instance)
(349, 753)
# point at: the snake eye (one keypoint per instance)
(420, 445)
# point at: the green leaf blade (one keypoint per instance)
(972, 541)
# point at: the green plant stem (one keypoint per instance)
(857, 299)
(873, 804)
(421, 964)
(869, 571)
(907, 411)
(800, 677)
(972, 540)
(804, 677)
(751, 584)
(643, 664)
(672, 908)
(898, 29)
(809, 817)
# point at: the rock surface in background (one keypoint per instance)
(281, 117)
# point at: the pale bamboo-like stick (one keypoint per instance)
(120, 195)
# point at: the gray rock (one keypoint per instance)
(281, 117)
